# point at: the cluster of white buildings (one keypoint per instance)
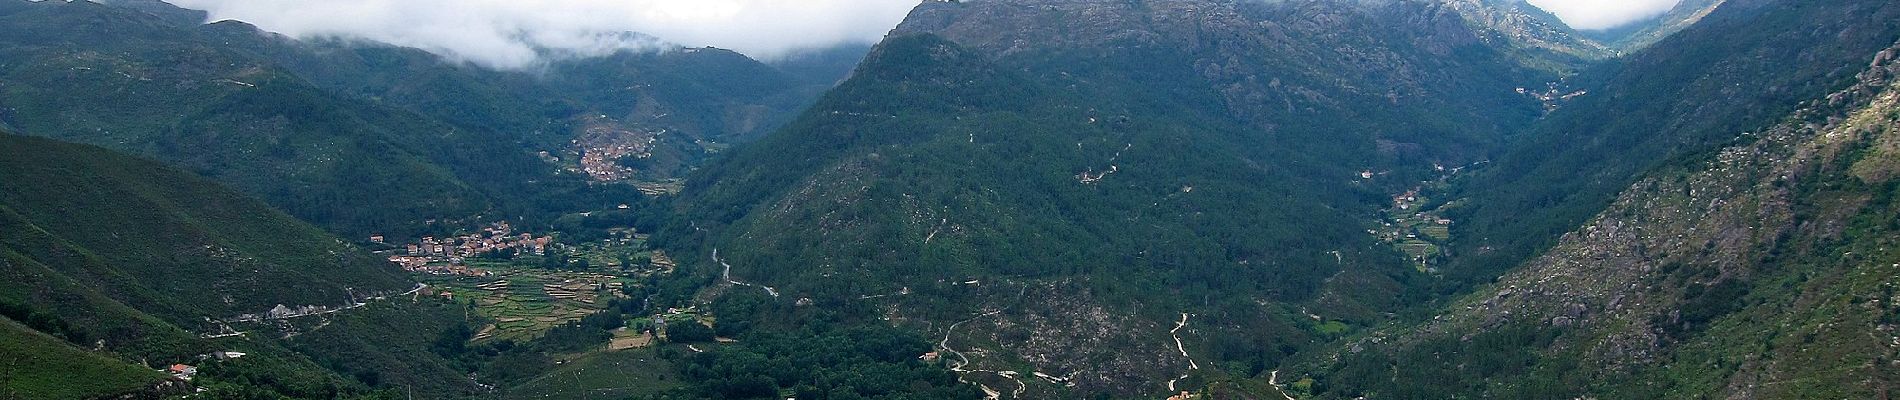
(602, 146)
(498, 236)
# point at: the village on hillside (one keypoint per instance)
(1413, 229)
(1415, 224)
(601, 145)
(525, 284)
(449, 256)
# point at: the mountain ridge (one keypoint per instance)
(1100, 154)
(1684, 95)
(1701, 263)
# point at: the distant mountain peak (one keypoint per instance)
(1527, 26)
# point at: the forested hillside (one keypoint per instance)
(1087, 172)
(1762, 270)
(94, 218)
(1745, 66)
(1742, 261)
(145, 264)
(690, 102)
(365, 139)
(87, 72)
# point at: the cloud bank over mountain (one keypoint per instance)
(1603, 14)
(515, 34)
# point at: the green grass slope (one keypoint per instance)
(135, 228)
(36, 366)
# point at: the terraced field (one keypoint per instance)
(1415, 225)
(525, 302)
(524, 297)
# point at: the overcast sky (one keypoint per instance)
(507, 33)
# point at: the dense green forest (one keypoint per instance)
(991, 162)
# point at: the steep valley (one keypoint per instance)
(1001, 199)
(1125, 165)
(1763, 270)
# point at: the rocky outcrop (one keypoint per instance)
(1704, 263)
(1527, 27)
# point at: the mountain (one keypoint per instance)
(1753, 264)
(145, 264)
(678, 107)
(1642, 34)
(521, 143)
(1064, 184)
(1002, 199)
(1689, 94)
(366, 139)
(637, 115)
(1536, 34)
(134, 82)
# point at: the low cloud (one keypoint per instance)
(515, 34)
(1603, 14)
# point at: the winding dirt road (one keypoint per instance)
(964, 361)
(727, 275)
(1183, 349)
